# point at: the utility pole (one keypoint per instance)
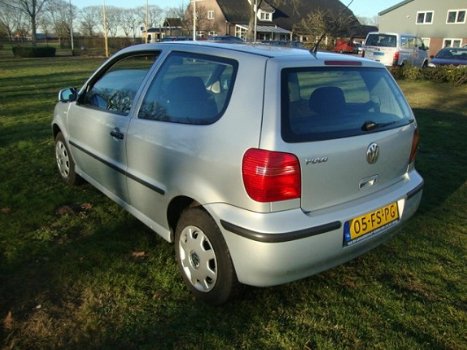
(71, 30)
(106, 41)
(146, 21)
(256, 20)
(194, 18)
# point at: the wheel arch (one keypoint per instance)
(176, 206)
(55, 130)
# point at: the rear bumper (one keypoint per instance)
(274, 248)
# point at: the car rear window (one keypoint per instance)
(384, 40)
(326, 103)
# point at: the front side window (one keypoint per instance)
(425, 17)
(327, 103)
(190, 89)
(456, 16)
(115, 89)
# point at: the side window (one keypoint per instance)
(116, 88)
(190, 89)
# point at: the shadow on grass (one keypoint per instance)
(441, 159)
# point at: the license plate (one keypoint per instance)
(370, 223)
(378, 53)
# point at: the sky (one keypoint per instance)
(361, 8)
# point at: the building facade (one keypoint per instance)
(439, 23)
(276, 20)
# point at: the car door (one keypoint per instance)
(167, 141)
(98, 122)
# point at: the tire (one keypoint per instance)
(203, 257)
(65, 162)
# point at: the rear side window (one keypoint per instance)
(327, 103)
(383, 40)
(190, 89)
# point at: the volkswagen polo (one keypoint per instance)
(262, 164)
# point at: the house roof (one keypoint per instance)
(389, 9)
(287, 13)
(173, 22)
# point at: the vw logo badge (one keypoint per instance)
(372, 153)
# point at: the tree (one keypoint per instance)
(90, 18)
(11, 21)
(323, 23)
(130, 22)
(61, 16)
(113, 18)
(31, 8)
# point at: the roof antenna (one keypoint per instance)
(314, 49)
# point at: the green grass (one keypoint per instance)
(76, 271)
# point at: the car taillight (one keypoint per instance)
(395, 59)
(271, 176)
(415, 142)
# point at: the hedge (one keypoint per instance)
(440, 74)
(21, 51)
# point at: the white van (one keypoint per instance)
(393, 49)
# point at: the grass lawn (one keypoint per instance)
(76, 271)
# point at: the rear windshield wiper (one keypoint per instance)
(370, 125)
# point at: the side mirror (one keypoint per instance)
(68, 95)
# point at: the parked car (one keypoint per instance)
(450, 56)
(226, 39)
(393, 49)
(347, 46)
(284, 43)
(263, 165)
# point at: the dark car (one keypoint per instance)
(226, 39)
(455, 56)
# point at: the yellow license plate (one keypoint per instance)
(370, 222)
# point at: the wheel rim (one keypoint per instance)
(198, 258)
(63, 159)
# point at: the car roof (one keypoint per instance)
(257, 49)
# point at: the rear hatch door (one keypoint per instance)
(351, 129)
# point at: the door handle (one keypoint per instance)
(117, 134)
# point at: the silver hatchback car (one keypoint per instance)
(262, 164)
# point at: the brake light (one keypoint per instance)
(415, 142)
(271, 176)
(395, 59)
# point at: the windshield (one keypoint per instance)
(326, 103)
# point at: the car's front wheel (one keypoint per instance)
(203, 257)
(65, 162)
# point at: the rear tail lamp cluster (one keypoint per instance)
(395, 59)
(271, 176)
(415, 142)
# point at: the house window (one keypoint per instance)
(210, 14)
(426, 42)
(456, 16)
(265, 16)
(425, 17)
(450, 42)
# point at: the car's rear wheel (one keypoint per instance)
(65, 162)
(203, 257)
